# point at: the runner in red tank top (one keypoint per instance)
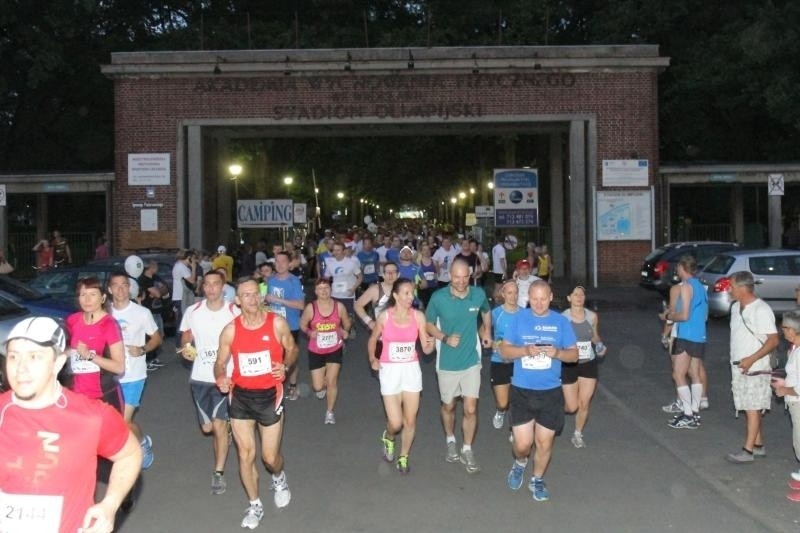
(262, 348)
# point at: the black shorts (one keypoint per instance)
(546, 407)
(500, 373)
(570, 372)
(316, 361)
(265, 406)
(113, 397)
(694, 349)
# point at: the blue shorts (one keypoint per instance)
(132, 392)
(210, 403)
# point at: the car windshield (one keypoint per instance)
(7, 307)
(719, 265)
(19, 289)
(56, 284)
(655, 254)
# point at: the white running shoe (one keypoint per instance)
(499, 419)
(675, 407)
(330, 418)
(282, 493)
(321, 394)
(577, 440)
(252, 517)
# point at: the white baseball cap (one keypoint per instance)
(41, 330)
(221, 249)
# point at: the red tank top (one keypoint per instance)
(253, 351)
(399, 342)
(329, 336)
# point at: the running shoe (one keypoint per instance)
(330, 418)
(467, 459)
(703, 404)
(577, 440)
(452, 452)
(539, 490)
(402, 464)
(683, 422)
(253, 516)
(282, 495)
(147, 452)
(218, 483)
(795, 475)
(151, 367)
(499, 419)
(156, 363)
(674, 407)
(740, 457)
(321, 394)
(759, 451)
(515, 476)
(291, 392)
(388, 448)
(794, 484)
(794, 496)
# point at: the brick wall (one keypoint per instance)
(148, 110)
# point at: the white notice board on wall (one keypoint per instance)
(623, 216)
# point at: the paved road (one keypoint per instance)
(636, 474)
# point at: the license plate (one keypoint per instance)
(644, 273)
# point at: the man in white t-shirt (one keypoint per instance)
(499, 265)
(202, 325)
(185, 268)
(753, 337)
(345, 273)
(443, 257)
(136, 323)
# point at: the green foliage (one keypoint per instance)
(730, 93)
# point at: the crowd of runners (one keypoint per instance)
(404, 298)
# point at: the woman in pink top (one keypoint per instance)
(96, 353)
(326, 323)
(399, 327)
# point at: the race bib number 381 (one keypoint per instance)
(255, 364)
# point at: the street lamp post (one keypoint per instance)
(236, 171)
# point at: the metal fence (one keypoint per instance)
(704, 232)
(23, 258)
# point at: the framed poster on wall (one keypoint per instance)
(624, 216)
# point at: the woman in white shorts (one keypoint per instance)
(399, 326)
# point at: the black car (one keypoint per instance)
(658, 268)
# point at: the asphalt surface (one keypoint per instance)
(635, 475)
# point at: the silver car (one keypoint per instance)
(776, 272)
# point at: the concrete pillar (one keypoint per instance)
(194, 185)
(775, 223)
(737, 213)
(577, 200)
(224, 190)
(4, 230)
(557, 206)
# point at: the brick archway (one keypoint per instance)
(602, 100)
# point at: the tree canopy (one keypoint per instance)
(730, 94)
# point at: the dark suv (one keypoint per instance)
(658, 268)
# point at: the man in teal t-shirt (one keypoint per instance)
(452, 318)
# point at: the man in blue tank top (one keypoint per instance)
(688, 350)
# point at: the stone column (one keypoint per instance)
(577, 200)
(194, 186)
(557, 206)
